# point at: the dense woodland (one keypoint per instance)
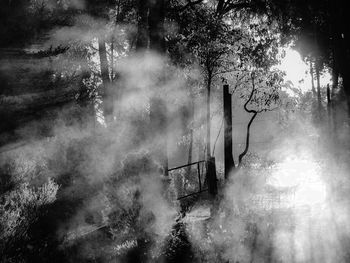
(103, 103)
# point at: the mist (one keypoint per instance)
(148, 131)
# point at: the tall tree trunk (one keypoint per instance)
(229, 162)
(319, 102)
(318, 86)
(344, 71)
(210, 178)
(142, 25)
(200, 136)
(156, 20)
(106, 92)
(112, 59)
(315, 109)
(190, 147)
(208, 148)
(340, 37)
(158, 108)
(85, 101)
(312, 80)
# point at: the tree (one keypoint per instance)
(319, 31)
(102, 10)
(262, 97)
(207, 38)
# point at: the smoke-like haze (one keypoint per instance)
(107, 175)
(290, 207)
(101, 184)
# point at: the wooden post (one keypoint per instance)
(211, 176)
(229, 162)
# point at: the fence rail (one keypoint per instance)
(198, 174)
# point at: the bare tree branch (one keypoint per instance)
(240, 157)
(250, 98)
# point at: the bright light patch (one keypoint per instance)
(296, 69)
(298, 72)
(303, 177)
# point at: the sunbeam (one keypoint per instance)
(303, 176)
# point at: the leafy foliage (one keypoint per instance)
(19, 209)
